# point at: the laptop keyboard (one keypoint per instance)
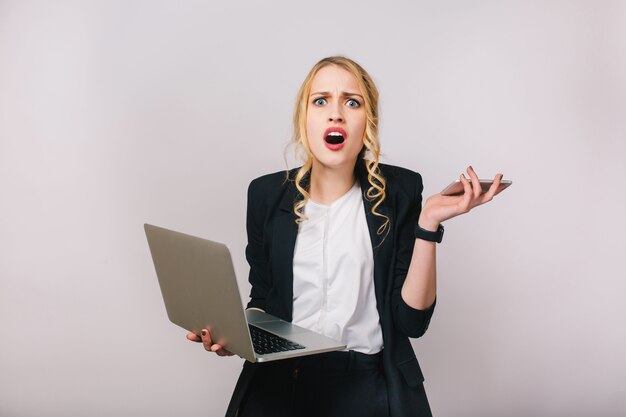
(265, 342)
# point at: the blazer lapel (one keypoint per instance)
(382, 244)
(285, 231)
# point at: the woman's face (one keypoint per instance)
(335, 118)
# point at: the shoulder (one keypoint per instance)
(402, 180)
(397, 172)
(272, 190)
(271, 182)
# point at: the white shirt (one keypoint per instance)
(333, 271)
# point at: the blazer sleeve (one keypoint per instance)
(408, 320)
(255, 253)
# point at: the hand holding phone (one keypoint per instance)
(459, 198)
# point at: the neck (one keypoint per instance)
(328, 184)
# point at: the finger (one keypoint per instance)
(206, 339)
(476, 188)
(499, 188)
(219, 350)
(467, 194)
(493, 190)
(223, 352)
(194, 337)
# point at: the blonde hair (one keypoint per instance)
(371, 145)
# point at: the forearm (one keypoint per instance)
(420, 286)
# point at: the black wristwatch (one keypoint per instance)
(423, 234)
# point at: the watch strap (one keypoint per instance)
(428, 235)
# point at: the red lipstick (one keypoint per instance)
(335, 138)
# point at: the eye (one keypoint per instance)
(353, 103)
(319, 101)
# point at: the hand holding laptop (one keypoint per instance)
(200, 292)
(209, 346)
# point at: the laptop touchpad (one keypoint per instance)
(281, 328)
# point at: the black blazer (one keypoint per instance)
(272, 235)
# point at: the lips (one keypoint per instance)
(335, 138)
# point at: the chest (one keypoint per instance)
(333, 249)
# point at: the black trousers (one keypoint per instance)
(330, 384)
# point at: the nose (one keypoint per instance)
(335, 113)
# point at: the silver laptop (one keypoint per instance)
(199, 287)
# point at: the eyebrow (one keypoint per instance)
(343, 93)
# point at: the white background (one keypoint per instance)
(116, 113)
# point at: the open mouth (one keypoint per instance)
(334, 138)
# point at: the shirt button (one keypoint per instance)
(295, 373)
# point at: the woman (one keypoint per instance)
(342, 246)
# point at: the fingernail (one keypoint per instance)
(203, 332)
(470, 167)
